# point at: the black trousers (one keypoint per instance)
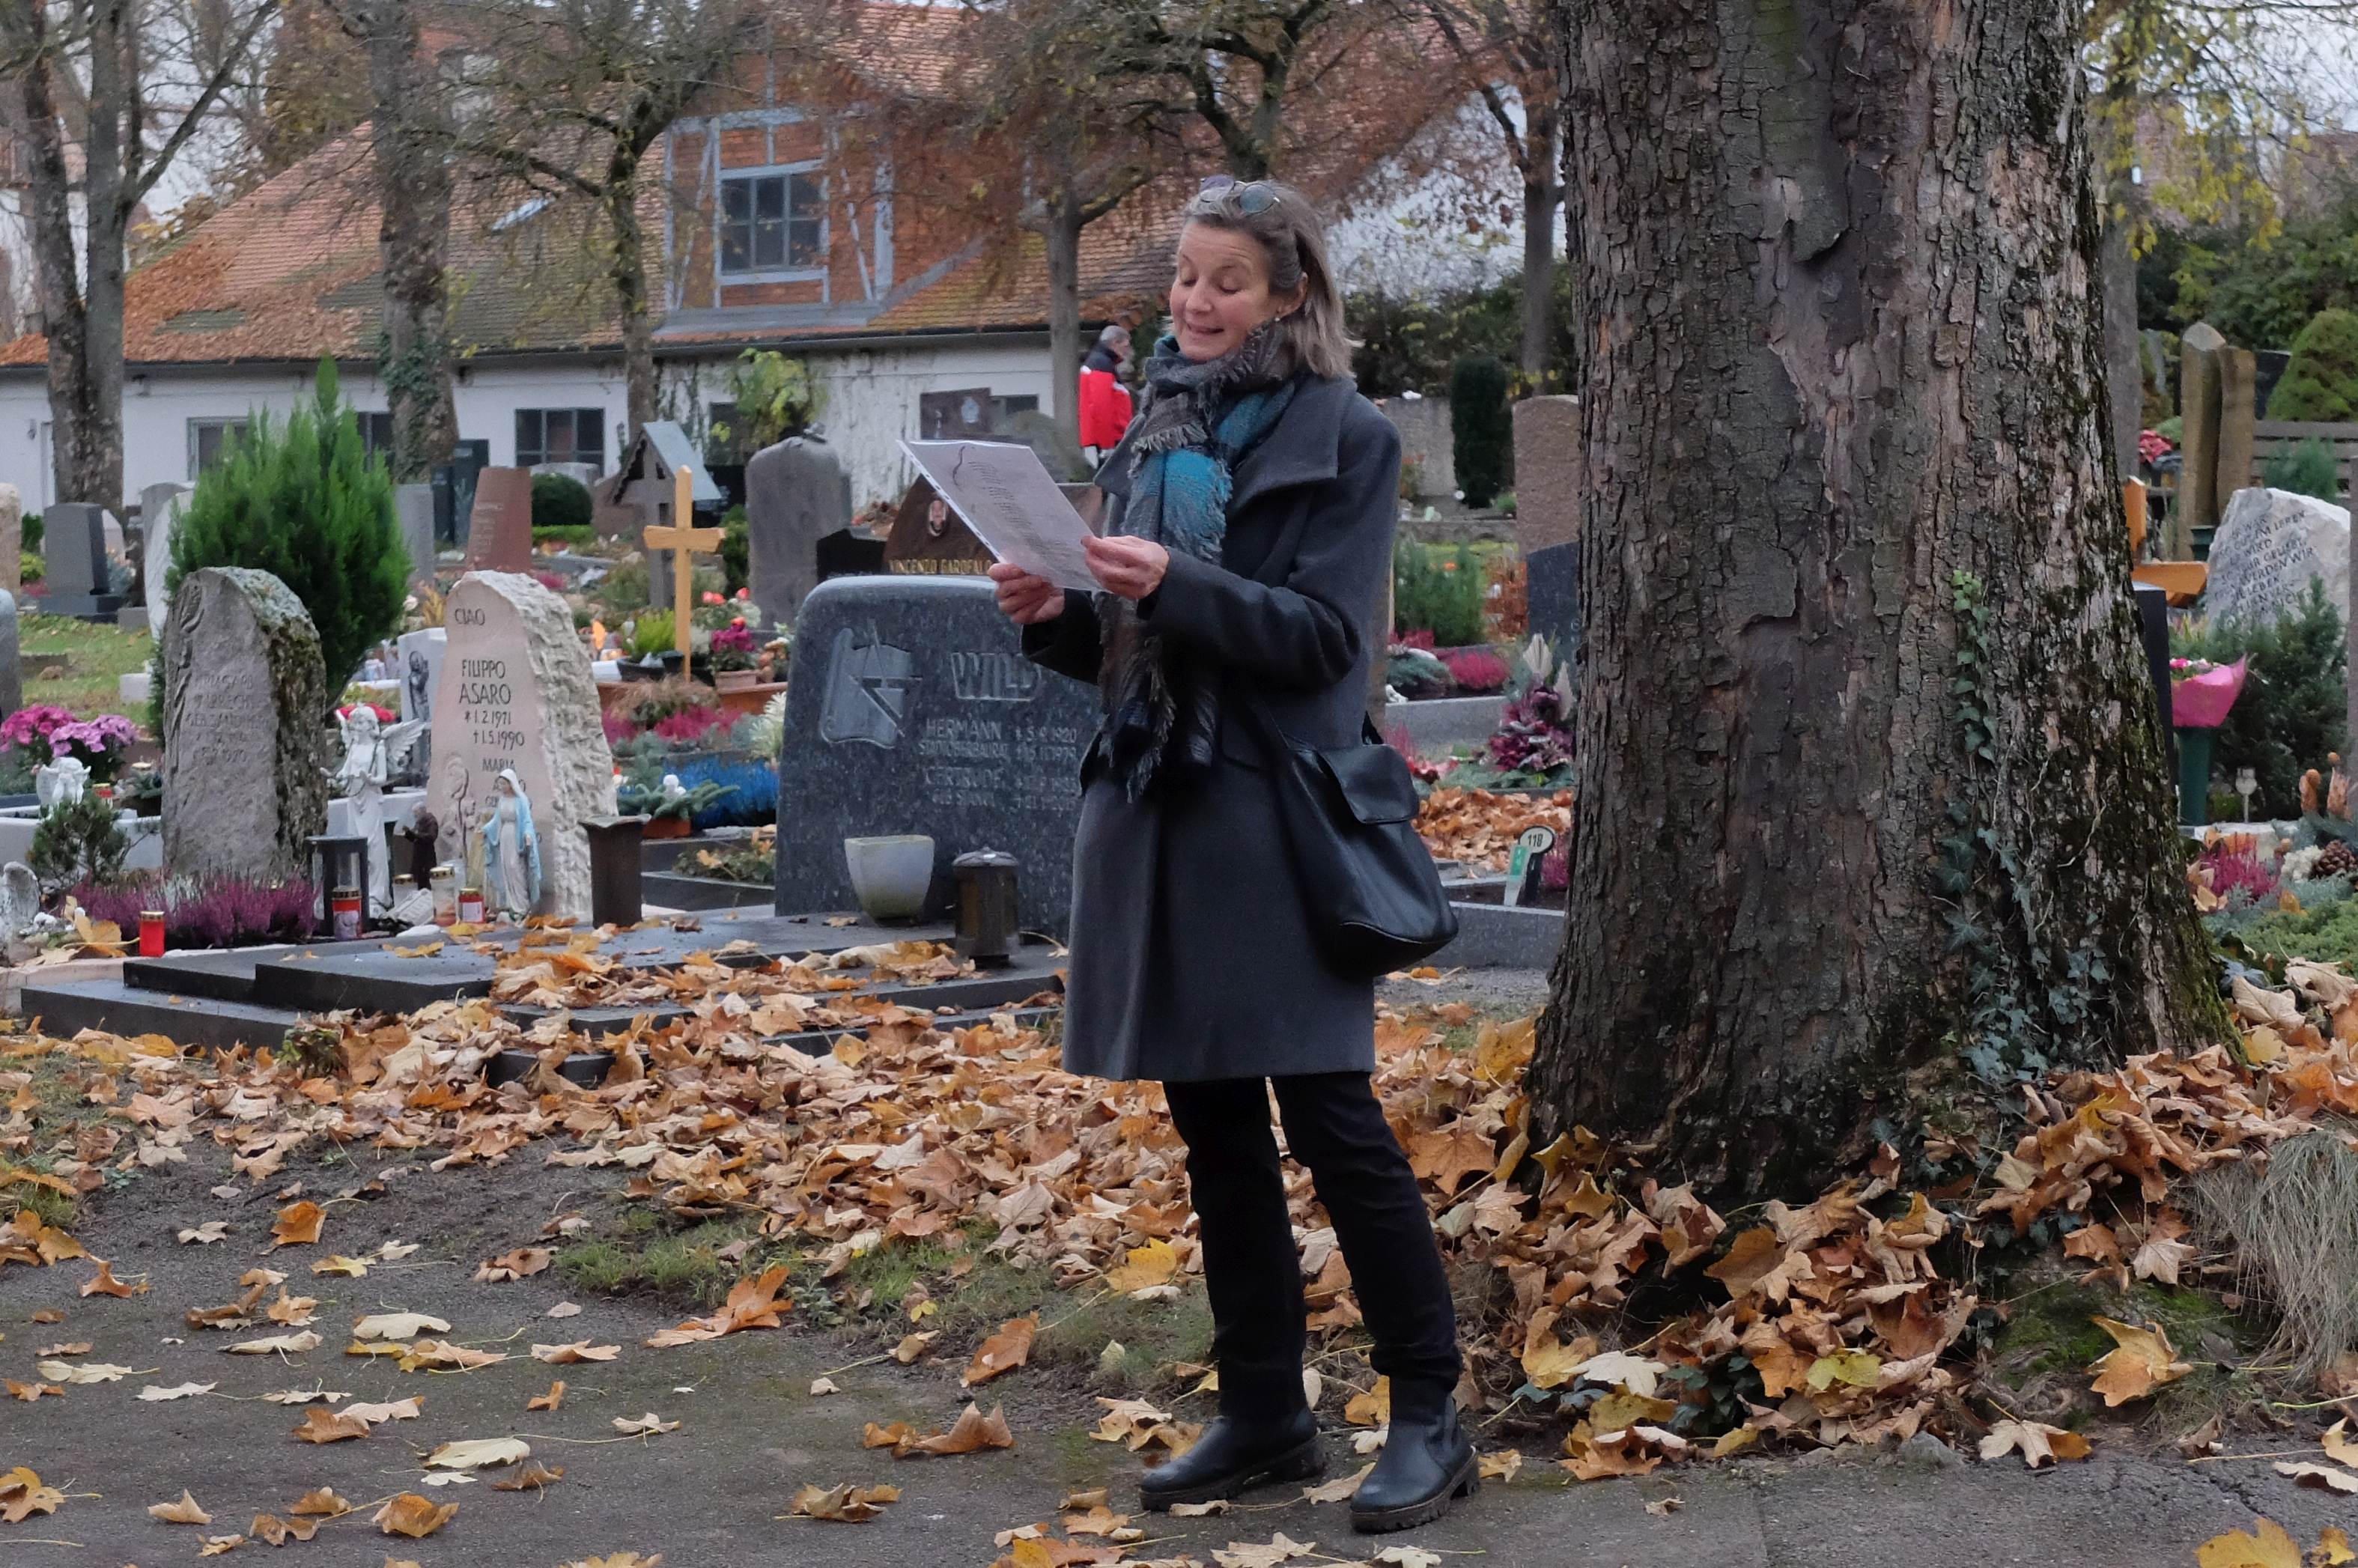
(1334, 1126)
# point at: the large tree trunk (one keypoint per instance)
(114, 88)
(413, 179)
(1831, 829)
(627, 268)
(57, 273)
(1542, 194)
(1063, 231)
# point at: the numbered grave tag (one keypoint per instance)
(1523, 867)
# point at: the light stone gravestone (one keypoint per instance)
(20, 898)
(159, 510)
(413, 511)
(1548, 488)
(2269, 545)
(795, 494)
(2238, 434)
(516, 692)
(1428, 445)
(499, 529)
(11, 664)
(12, 540)
(417, 666)
(914, 710)
(245, 783)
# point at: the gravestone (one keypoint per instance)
(2196, 505)
(928, 539)
(74, 556)
(1059, 453)
(2269, 545)
(417, 661)
(1549, 492)
(160, 511)
(914, 710)
(245, 783)
(516, 692)
(412, 512)
(796, 494)
(12, 540)
(2238, 408)
(1428, 445)
(12, 664)
(499, 529)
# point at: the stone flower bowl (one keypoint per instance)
(891, 875)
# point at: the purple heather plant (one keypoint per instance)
(209, 913)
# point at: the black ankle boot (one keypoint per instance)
(1235, 1454)
(1428, 1463)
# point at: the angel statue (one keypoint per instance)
(369, 751)
(511, 850)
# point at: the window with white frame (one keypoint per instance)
(773, 222)
(561, 436)
(209, 439)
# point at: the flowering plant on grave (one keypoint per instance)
(732, 646)
(45, 732)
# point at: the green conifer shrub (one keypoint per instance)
(2307, 468)
(2294, 707)
(2321, 381)
(1480, 426)
(559, 501)
(305, 502)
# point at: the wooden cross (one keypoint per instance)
(683, 542)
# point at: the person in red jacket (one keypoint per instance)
(1106, 406)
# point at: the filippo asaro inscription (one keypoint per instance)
(924, 717)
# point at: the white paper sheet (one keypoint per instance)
(1004, 493)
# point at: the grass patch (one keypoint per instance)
(682, 1267)
(97, 658)
(2046, 1356)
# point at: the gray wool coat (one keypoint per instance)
(1192, 956)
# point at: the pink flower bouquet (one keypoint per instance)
(2200, 693)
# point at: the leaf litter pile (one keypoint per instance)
(1842, 1320)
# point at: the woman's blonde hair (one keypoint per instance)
(1294, 240)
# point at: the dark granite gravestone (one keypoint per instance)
(499, 530)
(848, 552)
(914, 710)
(74, 556)
(796, 494)
(1552, 593)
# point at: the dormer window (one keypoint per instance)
(773, 222)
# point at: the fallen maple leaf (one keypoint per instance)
(479, 1454)
(279, 1531)
(2269, 1547)
(612, 1559)
(971, 1433)
(752, 1303)
(2338, 1446)
(398, 1325)
(553, 1399)
(571, 1354)
(297, 1224)
(841, 1505)
(337, 1263)
(275, 1345)
(2039, 1445)
(28, 1392)
(1280, 1549)
(2140, 1362)
(515, 1265)
(411, 1515)
(322, 1425)
(395, 1410)
(185, 1511)
(1332, 1491)
(22, 1495)
(437, 1355)
(104, 1283)
(204, 1235)
(532, 1477)
(82, 1371)
(322, 1502)
(154, 1394)
(2325, 1477)
(1151, 1265)
(1502, 1466)
(1003, 1352)
(647, 1425)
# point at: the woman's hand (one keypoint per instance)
(1128, 568)
(1026, 600)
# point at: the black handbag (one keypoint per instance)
(1369, 884)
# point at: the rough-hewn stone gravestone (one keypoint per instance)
(1059, 453)
(1547, 492)
(499, 536)
(913, 710)
(2197, 502)
(12, 668)
(796, 494)
(1428, 445)
(159, 510)
(2238, 409)
(12, 539)
(245, 750)
(413, 511)
(2269, 545)
(516, 692)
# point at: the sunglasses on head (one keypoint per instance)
(1251, 198)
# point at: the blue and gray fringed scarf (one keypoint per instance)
(1199, 421)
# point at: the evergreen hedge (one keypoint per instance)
(305, 502)
(2294, 707)
(1480, 426)
(559, 501)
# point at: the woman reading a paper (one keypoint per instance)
(1251, 509)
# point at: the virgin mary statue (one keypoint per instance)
(511, 850)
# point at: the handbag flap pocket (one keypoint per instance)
(1374, 782)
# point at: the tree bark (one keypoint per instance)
(627, 269)
(1833, 830)
(57, 275)
(114, 89)
(1541, 195)
(1061, 230)
(410, 146)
